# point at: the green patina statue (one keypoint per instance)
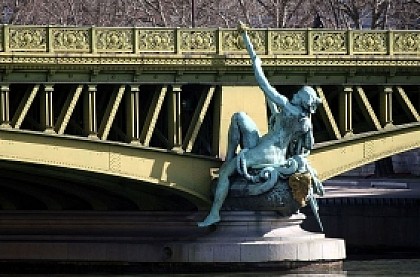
(269, 171)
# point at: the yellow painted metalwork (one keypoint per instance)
(332, 159)
(188, 174)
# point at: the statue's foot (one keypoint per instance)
(210, 220)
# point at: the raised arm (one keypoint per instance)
(269, 91)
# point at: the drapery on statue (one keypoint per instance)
(276, 162)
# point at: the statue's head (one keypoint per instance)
(307, 99)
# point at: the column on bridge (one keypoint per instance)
(4, 106)
(385, 106)
(174, 119)
(133, 115)
(345, 111)
(89, 112)
(47, 112)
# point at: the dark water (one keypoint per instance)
(373, 267)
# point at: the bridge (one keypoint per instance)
(134, 119)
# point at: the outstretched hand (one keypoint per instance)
(242, 28)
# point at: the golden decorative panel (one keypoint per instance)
(156, 40)
(406, 42)
(232, 41)
(370, 42)
(114, 40)
(66, 39)
(27, 38)
(198, 41)
(288, 42)
(329, 42)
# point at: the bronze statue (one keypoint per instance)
(276, 156)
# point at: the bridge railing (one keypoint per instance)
(164, 41)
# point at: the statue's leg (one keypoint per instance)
(222, 189)
(242, 131)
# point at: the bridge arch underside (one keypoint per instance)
(28, 186)
(132, 146)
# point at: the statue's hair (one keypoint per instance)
(307, 92)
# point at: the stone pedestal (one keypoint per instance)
(259, 237)
(164, 241)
